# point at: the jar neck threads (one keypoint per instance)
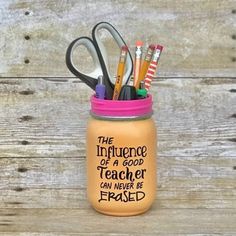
(120, 109)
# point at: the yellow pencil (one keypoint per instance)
(138, 59)
(120, 72)
(145, 65)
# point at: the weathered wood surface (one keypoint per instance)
(43, 120)
(40, 118)
(198, 35)
(173, 173)
(42, 147)
(167, 198)
(109, 234)
(156, 221)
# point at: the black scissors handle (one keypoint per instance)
(98, 53)
(88, 43)
(89, 79)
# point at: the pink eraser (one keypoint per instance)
(124, 48)
(152, 46)
(159, 47)
(139, 43)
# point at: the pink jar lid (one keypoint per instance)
(121, 108)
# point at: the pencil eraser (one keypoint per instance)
(152, 46)
(124, 48)
(139, 43)
(159, 47)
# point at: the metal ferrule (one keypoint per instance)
(148, 57)
(138, 52)
(156, 55)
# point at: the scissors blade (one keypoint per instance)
(102, 54)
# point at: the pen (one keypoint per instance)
(137, 61)
(153, 66)
(120, 72)
(100, 88)
(145, 65)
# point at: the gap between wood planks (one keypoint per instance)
(155, 78)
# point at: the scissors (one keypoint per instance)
(98, 53)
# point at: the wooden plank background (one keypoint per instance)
(44, 110)
(198, 35)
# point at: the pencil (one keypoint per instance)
(137, 61)
(145, 65)
(120, 72)
(152, 67)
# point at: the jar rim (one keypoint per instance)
(121, 108)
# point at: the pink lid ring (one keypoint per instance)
(121, 108)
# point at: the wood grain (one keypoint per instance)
(107, 233)
(44, 111)
(168, 198)
(42, 160)
(167, 221)
(173, 173)
(198, 35)
(41, 118)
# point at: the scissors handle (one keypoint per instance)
(102, 51)
(89, 79)
(97, 50)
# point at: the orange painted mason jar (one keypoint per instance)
(121, 156)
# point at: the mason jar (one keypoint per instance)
(121, 152)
